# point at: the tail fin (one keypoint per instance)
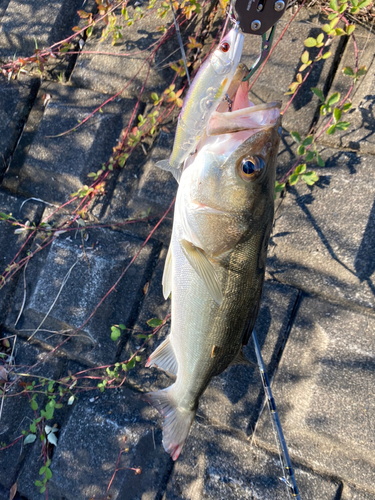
(177, 422)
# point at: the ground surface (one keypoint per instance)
(316, 323)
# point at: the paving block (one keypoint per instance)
(64, 284)
(25, 21)
(55, 167)
(360, 135)
(324, 392)
(90, 443)
(15, 102)
(113, 70)
(144, 188)
(154, 306)
(323, 236)
(282, 68)
(352, 493)
(216, 465)
(17, 413)
(11, 243)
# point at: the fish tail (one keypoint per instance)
(177, 421)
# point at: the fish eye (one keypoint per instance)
(225, 47)
(251, 167)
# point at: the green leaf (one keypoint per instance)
(122, 327)
(310, 178)
(154, 322)
(305, 57)
(48, 473)
(342, 125)
(279, 187)
(364, 3)
(30, 438)
(348, 71)
(320, 160)
(34, 404)
(310, 42)
(331, 130)
(336, 114)
(327, 55)
(293, 179)
(333, 99)
(333, 15)
(138, 358)
(334, 22)
(333, 5)
(115, 333)
(296, 137)
(326, 27)
(300, 169)
(38, 483)
(343, 8)
(350, 29)
(362, 71)
(309, 156)
(301, 150)
(42, 489)
(130, 365)
(318, 93)
(42, 470)
(320, 38)
(339, 32)
(346, 107)
(309, 140)
(33, 427)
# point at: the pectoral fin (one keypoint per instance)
(164, 165)
(204, 269)
(167, 275)
(164, 358)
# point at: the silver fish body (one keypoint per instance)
(215, 269)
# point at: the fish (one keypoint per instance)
(208, 88)
(216, 261)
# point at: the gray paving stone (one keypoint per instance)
(89, 446)
(11, 243)
(15, 99)
(154, 306)
(48, 22)
(218, 466)
(55, 167)
(360, 135)
(324, 392)
(352, 493)
(323, 236)
(142, 187)
(282, 68)
(89, 276)
(111, 73)
(17, 413)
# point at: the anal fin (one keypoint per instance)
(164, 358)
(205, 270)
